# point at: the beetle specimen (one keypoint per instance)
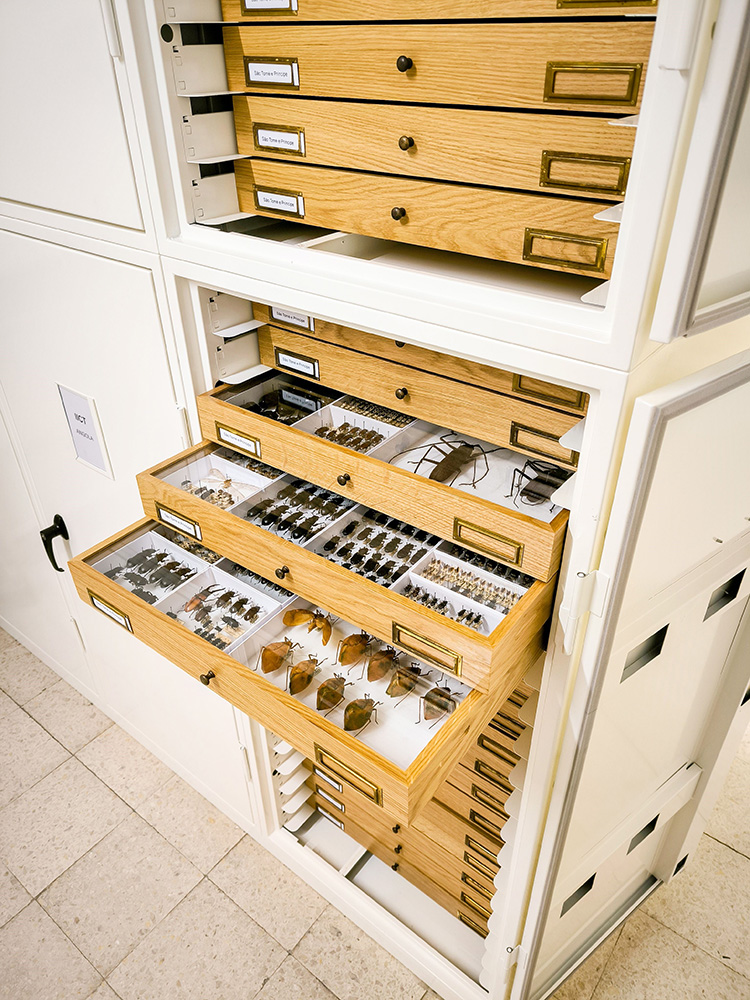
(200, 598)
(316, 619)
(380, 662)
(140, 557)
(330, 693)
(273, 655)
(302, 673)
(449, 456)
(358, 714)
(224, 599)
(144, 595)
(351, 649)
(306, 527)
(351, 527)
(535, 483)
(251, 614)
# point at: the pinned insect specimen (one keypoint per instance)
(449, 456)
(438, 701)
(358, 714)
(330, 693)
(302, 673)
(351, 649)
(403, 681)
(274, 655)
(381, 661)
(200, 598)
(140, 557)
(225, 599)
(535, 483)
(316, 619)
(145, 595)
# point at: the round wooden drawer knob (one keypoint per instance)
(282, 571)
(405, 142)
(398, 213)
(404, 64)
(402, 393)
(343, 479)
(207, 678)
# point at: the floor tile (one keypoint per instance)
(13, 896)
(6, 640)
(7, 705)
(730, 820)
(651, 962)
(269, 892)
(293, 982)
(583, 982)
(22, 675)
(191, 823)
(49, 827)
(744, 751)
(127, 767)
(37, 962)
(707, 903)
(67, 715)
(27, 754)
(351, 965)
(116, 894)
(207, 947)
(104, 993)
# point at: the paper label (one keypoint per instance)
(326, 777)
(274, 74)
(248, 444)
(296, 363)
(288, 203)
(252, 6)
(182, 524)
(106, 609)
(83, 422)
(293, 318)
(331, 819)
(330, 798)
(303, 402)
(285, 140)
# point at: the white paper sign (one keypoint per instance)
(294, 363)
(279, 74)
(252, 6)
(288, 203)
(281, 139)
(175, 521)
(302, 402)
(108, 610)
(247, 444)
(294, 319)
(83, 422)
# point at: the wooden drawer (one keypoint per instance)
(506, 533)
(391, 790)
(537, 230)
(486, 815)
(457, 369)
(440, 10)
(581, 66)
(486, 662)
(543, 153)
(457, 833)
(502, 420)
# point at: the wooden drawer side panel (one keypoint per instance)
(440, 10)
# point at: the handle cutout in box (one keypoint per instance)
(488, 542)
(644, 653)
(565, 250)
(643, 834)
(585, 172)
(724, 595)
(427, 650)
(593, 83)
(577, 896)
(349, 776)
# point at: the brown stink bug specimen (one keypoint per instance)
(274, 655)
(403, 681)
(358, 713)
(380, 662)
(330, 693)
(301, 674)
(438, 701)
(316, 619)
(352, 649)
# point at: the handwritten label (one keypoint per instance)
(289, 204)
(293, 318)
(110, 612)
(303, 402)
(296, 363)
(283, 140)
(273, 74)
(83, 423)
(181, 523)
(248, 444)
(257, 6)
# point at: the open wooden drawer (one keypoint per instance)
(394, 762)
(489, 503)
(390, 592)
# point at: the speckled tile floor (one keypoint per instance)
(117, 880)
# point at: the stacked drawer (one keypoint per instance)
(450, 851)
(444, 135)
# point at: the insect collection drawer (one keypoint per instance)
(542, 153)
(457, 487)
(574, 66)
(543, 230)
(439, 10)
(384, 728)
(455, 609)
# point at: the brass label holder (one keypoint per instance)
(475, 906)
(508, 550)
(178, 521)
(110, 611)
(274, 8)
(597, 246)
(298, 364)
(278, 201)
(279, 73)
(520, 436)
(570, 4)
(249, 446)
(347, 774)
(277, 146)
(555, 91)
(427, 649)
(554, 395)
(470, 923)
(621, 164)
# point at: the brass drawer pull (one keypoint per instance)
(540, 443)
(565, 250)
(207, 678)
(492, 746)
(568, 4)
(404, 64)
(482, 539)
(398, 214)
(548, 392)
(481, 850)
(570, 83)
(473, 884)
(470, 923)
(427, 650)
(477, 865)
(110, 611)
(475, 906)
(484, 799)
(492, 829)
(349, 776)
(493, 776)
(585, 172)
(405, 142)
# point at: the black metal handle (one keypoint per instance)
(207, 678)
(402, 393)
(395, 867)
(405, 142)
(282, 572)
(404, 64)
(400, 343)
(397, 849)
(56, 530)
(343, 479)
(398, 213)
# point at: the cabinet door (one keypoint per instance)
(706, 280)
(653, 690)
(66, 144)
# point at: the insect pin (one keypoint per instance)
(313, 619)
(274, 655)
(302, 673)
(358, 714)
(380, 662)
(351, 649)
(438, 701)
(330, 693)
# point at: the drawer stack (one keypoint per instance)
(457, 126)
(450, 851)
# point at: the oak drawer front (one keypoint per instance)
(488, 663)
(537, 230)
(288, 11)
(544, 153)
(558, 397)
(510, 536)
(581, 66)
(456, 833)
(484, 809)
(467, 409)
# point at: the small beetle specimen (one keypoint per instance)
(274, 655)
(330, 693)
(200, 598)
(351, 649)
(449, 456)
(316, 619)
(358, 714)
(302, 673)
(381, 662)
(535, 483)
